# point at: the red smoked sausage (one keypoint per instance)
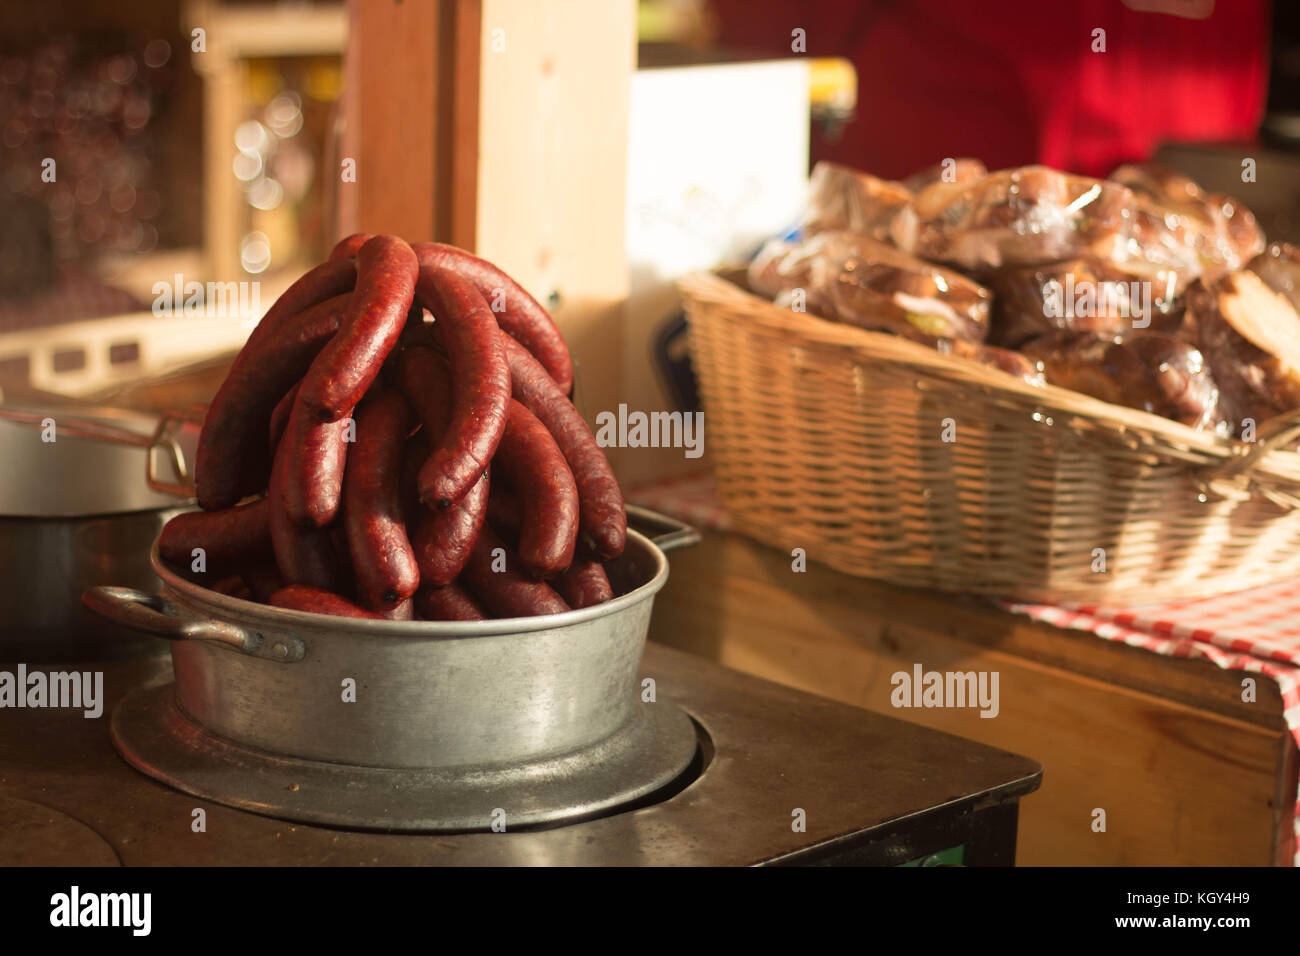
(299, 597)
(263, 580)
(348, 247)
(413, 456)
(450, 603)
(425, 380)
(231, 539)
(509, 592)
(346, 581)
(544, 485)
(234, 586)
(313, 287)
(280, 418)
(517, 312)
(442, 537)
(401, 612)
(303, 555)
(315, 454)
(504, 513)
(480, 384)
(350, 362)
(584, 584)
(232, 459)
(382, 557)
(602, 514)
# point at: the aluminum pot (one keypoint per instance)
(78, 510)
(533, 698)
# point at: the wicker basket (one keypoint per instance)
(830, 438)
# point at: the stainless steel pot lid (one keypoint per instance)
(100, 461)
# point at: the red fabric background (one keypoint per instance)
(1016, 81)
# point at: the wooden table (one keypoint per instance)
(1184, 770)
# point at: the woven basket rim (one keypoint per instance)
(1169, 437)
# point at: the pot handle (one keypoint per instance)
(165, 441)
(154, 615)
(667, 533)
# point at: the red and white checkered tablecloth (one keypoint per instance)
(694, 499)
(1256, 631)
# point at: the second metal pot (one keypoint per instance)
(75, 511)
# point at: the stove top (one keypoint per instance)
(782, 777)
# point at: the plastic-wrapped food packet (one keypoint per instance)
(844, 198)
(1250, 336)
(1164, 239)
(1244, 232)
(1084, 295)
(1151, 371)
(1223, 239)
(1026, 216)
(1182, 226)
(776, 268)
(960, 171)
(1279, 267)
(850, 278)
(1163, 186)
(1004, 360)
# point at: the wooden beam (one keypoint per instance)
(501, 126)
(391, 106)
(460, 69)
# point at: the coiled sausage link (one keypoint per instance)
(517, 312)
(232, 459)
(300, 597)
(442, 537)
(548, 497)
(382, 557)
(508, 592)
(345, 368)
(303, 555)
(231, 538)
(480, 387)
(602, 513)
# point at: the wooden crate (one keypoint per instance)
(1187, 773)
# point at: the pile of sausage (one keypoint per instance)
(400, 424)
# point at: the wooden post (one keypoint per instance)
(458, 223)
(411, 119)
(501, 126)
(390, 108)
